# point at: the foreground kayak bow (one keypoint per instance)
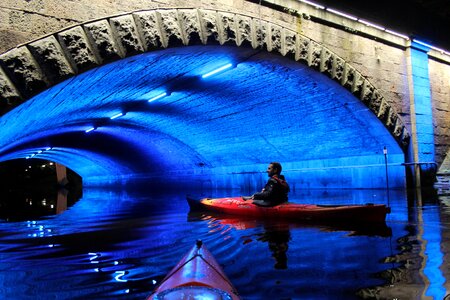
(196, 276)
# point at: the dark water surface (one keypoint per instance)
(119, 245)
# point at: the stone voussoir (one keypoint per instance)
(24, 71)
(103, 42)
(10, 96)
(51, 58)
(124, 28)
(79, 51)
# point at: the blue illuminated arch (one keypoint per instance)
(267, 107)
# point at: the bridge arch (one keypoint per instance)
(36, 66)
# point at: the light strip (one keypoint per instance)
(422, 43)
(429, 46)
(227, 66)
(371, 24)
(313, 4)
(116, 116)
(90, 129)
(158, 97)
(342, 14)
(397, 34)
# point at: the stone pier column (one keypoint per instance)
(421, 154)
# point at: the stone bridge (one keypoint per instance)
(116, 92)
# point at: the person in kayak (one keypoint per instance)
(276, 189)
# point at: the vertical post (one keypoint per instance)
(61, 174)
(387, 175)
(422, 131)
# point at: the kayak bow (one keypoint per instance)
(196, 276)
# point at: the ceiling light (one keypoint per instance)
(117, 116)
(227, 66)
(164, 94)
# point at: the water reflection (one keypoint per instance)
(20, 205)
(121, 244)
(422, 252)
(277, 233)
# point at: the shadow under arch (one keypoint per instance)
(29, 69)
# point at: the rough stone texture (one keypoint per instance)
(147, 23)
(244, 30)
(191, 26)
(125, 30)
(23, 70)
(50, 57)
(170, 28)
(76, 46)
(440, 93)
(100, 35)
(227, 28)
(10, 95)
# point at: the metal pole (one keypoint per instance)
(387, 175)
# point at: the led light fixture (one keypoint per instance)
(397, 34)
(342, 14)
(90, 129)
(431, 47)
(222, 68)
(117, 116)
(313, 4)
(162, 95)
(422, 43)
(371, 24)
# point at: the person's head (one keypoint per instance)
(274, 168)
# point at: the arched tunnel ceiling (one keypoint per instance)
(266, 107)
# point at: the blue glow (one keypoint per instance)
(422, 102)
(117, 116)
(119, 276)
(223, 68)
(162, 95)
(434, 258)
(219, 132)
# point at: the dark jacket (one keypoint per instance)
(274, 192)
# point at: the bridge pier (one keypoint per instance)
(420, 158)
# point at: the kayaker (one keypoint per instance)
(276, 189)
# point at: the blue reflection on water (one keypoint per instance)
(119, 244)
(434, 256)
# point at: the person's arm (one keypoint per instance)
(267, 192)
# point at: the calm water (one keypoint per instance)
(119, 245)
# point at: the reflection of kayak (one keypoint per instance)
(196, 276)
(293, 211)
(244, 223)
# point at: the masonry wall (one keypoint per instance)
(440, 95)
(384, 65)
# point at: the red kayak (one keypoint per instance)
(196, 276)
(293, 211)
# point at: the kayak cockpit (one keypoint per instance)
(193, 292)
